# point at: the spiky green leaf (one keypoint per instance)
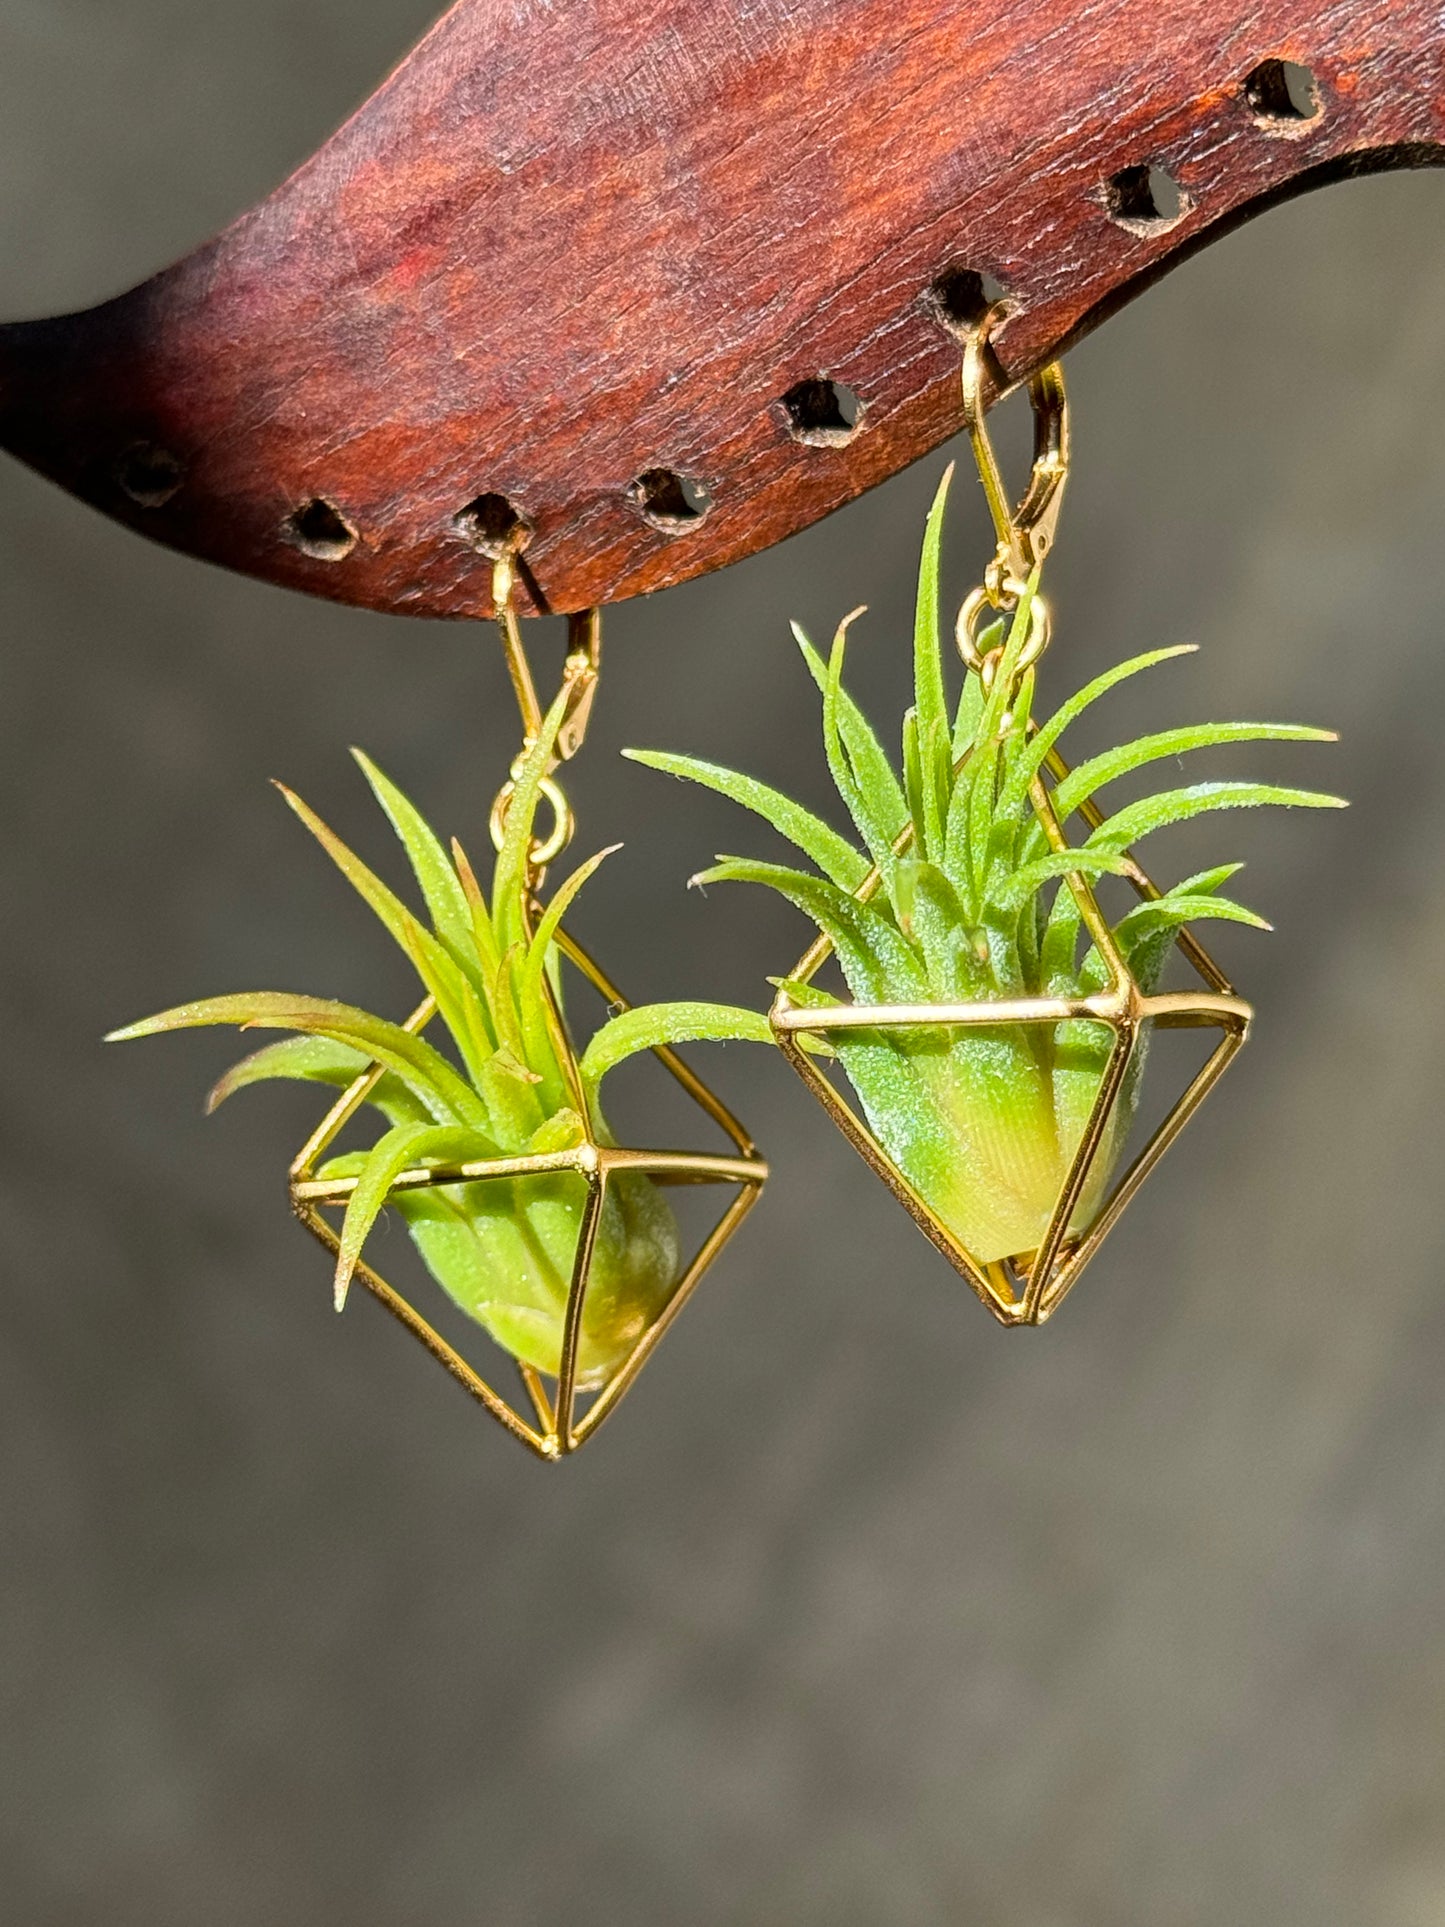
(424, 1071)
(318, 1060)
(1083, 783)
(821, 844)
(400, 1149)
(858, 737)
(861, 771)
(437, 880)
(935, 761)
(509, 882)
(1174, 911)
(876, 959)
(429, 957)
(650, 1026)
(1046, 737)
(532, 1000)
(1150, 813)
(1031, 877)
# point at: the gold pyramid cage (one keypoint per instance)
(1028, 1287)
(547, 1417)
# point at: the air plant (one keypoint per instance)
(502, 1249)
(951, 893)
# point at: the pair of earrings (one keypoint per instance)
(992, 1019)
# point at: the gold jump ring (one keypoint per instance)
(544, 850)
(974, 604)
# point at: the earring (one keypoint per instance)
(993, 1020)
(561, 1243)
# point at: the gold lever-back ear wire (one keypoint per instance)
(580, 673)
(1027, 1288)
(1025, 534)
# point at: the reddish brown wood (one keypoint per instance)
(570, 242)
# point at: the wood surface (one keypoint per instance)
(571, 258)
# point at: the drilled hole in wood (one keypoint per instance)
(1282, 95)
(320, 530)
(669, 501)
(149, 475)
(822, 413)
(961, 297)
(492, 525)
(1146, 199)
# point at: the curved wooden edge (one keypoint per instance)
(669, 283)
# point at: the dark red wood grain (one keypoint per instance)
(573, 241)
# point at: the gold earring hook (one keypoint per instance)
(1026, 533)
(580, 674)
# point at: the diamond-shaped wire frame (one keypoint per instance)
(552, 1428)
(1028, 1288)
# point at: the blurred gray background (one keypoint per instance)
(862, 1610)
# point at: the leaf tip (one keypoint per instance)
(377, 781)
(216, 1096)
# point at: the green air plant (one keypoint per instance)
(502, 1249)
(951, 893)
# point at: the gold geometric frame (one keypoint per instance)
(1028, 1288)
(553, 1430)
